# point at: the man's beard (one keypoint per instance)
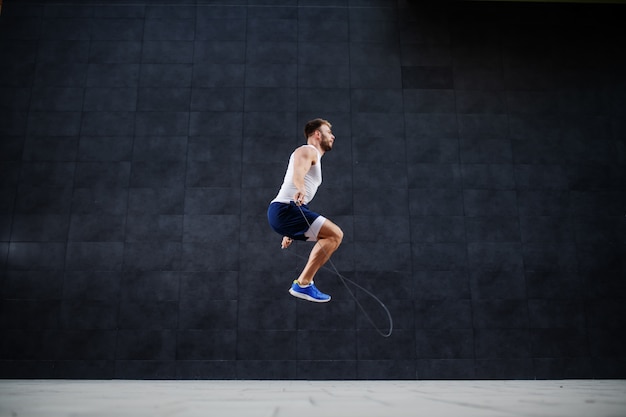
(325, 144)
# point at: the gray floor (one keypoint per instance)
(569, 398)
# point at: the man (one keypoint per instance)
(289, 214)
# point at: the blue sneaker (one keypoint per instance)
(309, 293)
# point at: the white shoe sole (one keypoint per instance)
(306, 297)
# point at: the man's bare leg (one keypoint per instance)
(328, 240)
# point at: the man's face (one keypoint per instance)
(327, 138)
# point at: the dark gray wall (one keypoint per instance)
(478, 174)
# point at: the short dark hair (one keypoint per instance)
(312, 125)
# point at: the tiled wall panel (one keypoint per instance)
(478, 175)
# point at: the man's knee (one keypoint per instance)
(339, 235)
(336, 236)
(331, 232)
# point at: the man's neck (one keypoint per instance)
(313, 142)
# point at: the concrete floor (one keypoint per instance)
(119, 398)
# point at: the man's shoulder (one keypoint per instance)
(308, 150)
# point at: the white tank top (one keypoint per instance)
(312, 181)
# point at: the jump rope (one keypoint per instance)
(345, 282)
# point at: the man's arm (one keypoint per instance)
(303, 159)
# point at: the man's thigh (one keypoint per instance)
(329, 230)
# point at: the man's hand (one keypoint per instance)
(298, 198)
(286, 242)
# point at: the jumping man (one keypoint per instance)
(289, 214)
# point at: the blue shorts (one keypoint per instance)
(287, 220)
